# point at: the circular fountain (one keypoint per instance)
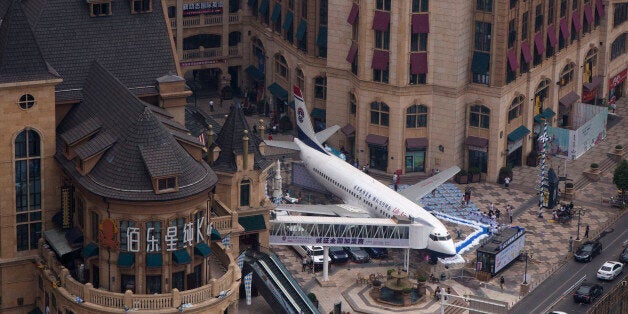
(397, 290)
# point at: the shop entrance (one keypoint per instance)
(378, 158)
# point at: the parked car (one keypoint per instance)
(587, 292)
(357, 254)
(588, 251)
(623, 257)
(610, 270)
(338, 255)
(314, 252)
(377, 252)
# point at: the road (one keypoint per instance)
(556, 287)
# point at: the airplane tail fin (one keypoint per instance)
(305, 132)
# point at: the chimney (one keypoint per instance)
(245, 150)
(208, 144)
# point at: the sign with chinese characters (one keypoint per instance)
(210, 7)
(338, 241)
(67, 205)
(614, 82)
(200, 62)
(192, 235)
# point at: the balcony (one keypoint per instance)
(205, 20)
(202, 53)
(220, 292)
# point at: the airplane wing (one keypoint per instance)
(342, 210)
(323, 135)
(282, 144)
(426, 186)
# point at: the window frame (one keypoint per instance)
(516, 108)
(26, 101)
(479, 117)
(96, 9)
(245, 193)
(567, 74)
(417, 116)
(145, 6)
(320, 87)
(27, 160)
(379, 113)
(281, 67)
(420, 6)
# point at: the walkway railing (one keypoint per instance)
(204, 20)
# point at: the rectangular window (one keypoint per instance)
(380, 75)
(563, 8)
(524, 26)
(383, 5)
(141, 6)
(513, 4)
(574, 4)
(382, 40)
(538, 19)
(167, 183)
(153, 284)
(101, 9)
(512, 33)
(418, 79)
(94, 223)
(620, 13)
(322, 14)
(550, 12)
(124, 226)
(482, 36)
(484, 5)
(304, 9)
(419, 6)
(418, 42)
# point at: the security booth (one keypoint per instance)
(498, 251)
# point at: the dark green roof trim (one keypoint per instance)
(202, 249)
(547, 114)
(90, 250)
(278, 91)
(126, 259)
(518, 133)
(252, 223)
(301, 30)
(181, 256)
(154, 260)
(216, 235)
(276, 13)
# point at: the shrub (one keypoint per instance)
(407, 290)
(462, 172)
(421, 278)
(569, 185)
(312, 297)
(390, 271)
(594, 166)
(619, 147)
(505, 171)
(474, 170)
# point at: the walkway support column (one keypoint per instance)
(325, 263)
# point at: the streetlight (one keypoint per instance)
(526, 254)
(580, 211)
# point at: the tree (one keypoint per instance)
(620, 177)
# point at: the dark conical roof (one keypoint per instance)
(20, 56)
(230, 142)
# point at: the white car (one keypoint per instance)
(610, 270)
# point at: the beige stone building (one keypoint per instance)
(418, 85)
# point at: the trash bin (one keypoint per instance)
(443, 277)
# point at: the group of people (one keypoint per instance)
(438, 292)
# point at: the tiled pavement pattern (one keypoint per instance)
(546, 240)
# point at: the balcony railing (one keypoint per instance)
(202, 53)
(204, 20)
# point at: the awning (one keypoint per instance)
(35, 311)
(287, 25)
(568, 99)
(126, 259)
(525, 51)
(318, 113)
(595, 81)
(575, 19)
(263, 8)
(381, 21)
(353, 52)
(588, 14)
(321, 40)
(252, 223)
(476, 141)
(74, 236)
(181, 257)
(599, 7)
(202, 249)
(353, 15)
(420, 23)
(551, 35)
(480, 63)
(278, 91)
(380, 60)
(512, 60)
(154, 260)
(301, 30)
(417, 143)
(254, 73)
(58, 242)
(518, 133)
(215, 235)
(90, 250)
(377, 140)
(418, 63)
(348, 130)
(539, 43)
(564, 29)
(547, 114)
(276, 12)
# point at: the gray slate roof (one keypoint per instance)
(134, 47)
(20, 56)
(124, 171)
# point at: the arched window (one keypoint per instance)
(590, 61)
(515, 108)
(479, 117)
(566, 75)
(28, 189)
(259, 56)
(379, 113)
(320, 87)
(353, 107)
(281, 66)
(245, 193)
(26, 101)
(541, 93)
(618, 47)
(127, 227)
(416, 116)
(153, 237)
(172, 12)
(300, 79)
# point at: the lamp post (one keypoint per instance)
(580, 211)
(525, 271)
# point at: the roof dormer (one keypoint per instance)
(99, 7)
(163, 167)
(141, 6)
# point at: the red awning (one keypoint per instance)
(348, 130)
(588, 14)
(539, 43)
(381, 21)
(575, 18)
(377, 140)
(416, 143)
(353, 15)
(512, 60)
(595, 81)
(476, 141)
(551, 35)
(599, 7)
(525, 51)
(418, 63)
(420, 23)
(353, 51)
(380, 59)
(564, 29)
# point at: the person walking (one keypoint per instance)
(507, 182)
(467, 194)
(586, 232)
(211, 106)
(303, 264)
(501, 282)
(509, 210)
(394, 180)
(570, 244)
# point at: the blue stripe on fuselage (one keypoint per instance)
(309, 142)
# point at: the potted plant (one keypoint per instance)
(595, 168)
(407, 297)
(503, 173)
(619, 149)
(568, 188)
(389, 272)
(313, 298)
(533, 159)
(421, 280)
(462, 177)
(474, 174)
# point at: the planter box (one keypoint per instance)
(462, 179)
(474, 177)
(532, 161)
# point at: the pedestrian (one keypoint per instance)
(211, 105)
(491, 208)
(433, 192)
(586, 232)
(507, 182)
(509, 210)
(270, 137)
(303, 264)
(497, 213)
(570, 244)
(501, 282)
(467, 194)
(448, 290)
(394, 180)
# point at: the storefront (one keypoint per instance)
(590, 90)
(616, 87)
(478, 153)
(415, 154)
(378, 151)
(515, 146)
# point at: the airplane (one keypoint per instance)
(360, 192)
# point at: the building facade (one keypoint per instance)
(412, 90)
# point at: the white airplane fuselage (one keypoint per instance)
(357, 188)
